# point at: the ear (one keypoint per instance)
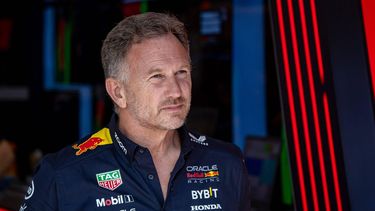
(116, 91)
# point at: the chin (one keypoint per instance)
(172, 124)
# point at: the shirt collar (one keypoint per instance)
(127, 147)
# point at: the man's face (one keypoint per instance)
(158, 87)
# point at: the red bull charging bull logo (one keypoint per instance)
(91, 144)
(102, 137)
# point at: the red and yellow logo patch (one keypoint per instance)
(102, 137)
(211, 174)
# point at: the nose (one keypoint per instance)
(174, 88)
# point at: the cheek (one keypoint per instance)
(141, 97)
(152, 98)
(187, 88)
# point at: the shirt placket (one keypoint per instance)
(146, 167)
(172, 199)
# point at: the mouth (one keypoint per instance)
(173, 108)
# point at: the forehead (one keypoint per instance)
(163, 50)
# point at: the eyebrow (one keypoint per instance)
(153, 70)
(158, 70)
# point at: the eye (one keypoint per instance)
(157, 76)
(182, 73)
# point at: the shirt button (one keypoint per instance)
(150, 177)
(141, 151)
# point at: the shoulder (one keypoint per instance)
(212, 146)
(86, 148)
(47, 178)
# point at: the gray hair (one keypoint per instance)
(135, 29)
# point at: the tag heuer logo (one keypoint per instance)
(109, 180)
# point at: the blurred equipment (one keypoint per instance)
(261, 158)
(12, 191)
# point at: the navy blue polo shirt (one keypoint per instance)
(108, 171)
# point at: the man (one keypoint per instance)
(145, 159)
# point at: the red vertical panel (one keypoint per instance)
(368, 8)
(314, 105)
(301, 93)
(326, 108)
(300, 38)
(317, 40)
(301, 178)
(332, 153)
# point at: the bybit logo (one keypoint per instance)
(204, 194)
